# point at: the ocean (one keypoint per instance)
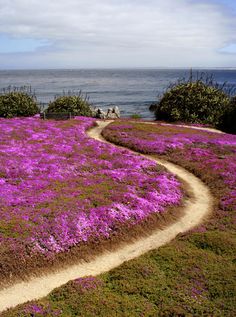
(133, 90)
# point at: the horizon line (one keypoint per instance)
(122, 68)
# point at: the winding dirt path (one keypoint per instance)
(181, 126)
(195, 210)
(194, 127)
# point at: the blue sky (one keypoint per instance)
(117, 33)
(10, 44)
(231, 4)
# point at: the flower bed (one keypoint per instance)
(191, 276)
(209, 155)
(60, 188)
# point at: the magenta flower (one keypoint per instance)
(59, 188)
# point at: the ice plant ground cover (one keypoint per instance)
(60, 189)
(211, 156)
(192, 276)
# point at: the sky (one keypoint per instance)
(38, 34)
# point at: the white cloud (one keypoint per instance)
(120, 33)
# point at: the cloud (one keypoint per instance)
(81, 33)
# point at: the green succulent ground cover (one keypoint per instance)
(165, 282)
(194, 275)
(189, 277)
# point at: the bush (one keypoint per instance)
(17, 104)
(76, 105)
(228, 120)
(194, 102)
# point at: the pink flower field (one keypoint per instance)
(190, 276)
(60, 188)
(211, 156)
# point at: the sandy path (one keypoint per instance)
(196, 128)
(181, 126)
(194, 212)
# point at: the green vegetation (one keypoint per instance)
(17, 104)
(199, 100)
(194, 102)
(76, 105)
(228, 120)
(184, 278)
(135, 116)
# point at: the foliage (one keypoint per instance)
(228, 120)
(17, 104)
(180, 279)
(193, 102)
(76, 105)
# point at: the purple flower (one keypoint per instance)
(59, 188)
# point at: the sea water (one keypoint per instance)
(133, 90)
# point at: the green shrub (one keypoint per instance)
(194, 102)
(76, 105)
(17, 104)
(228, 120)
